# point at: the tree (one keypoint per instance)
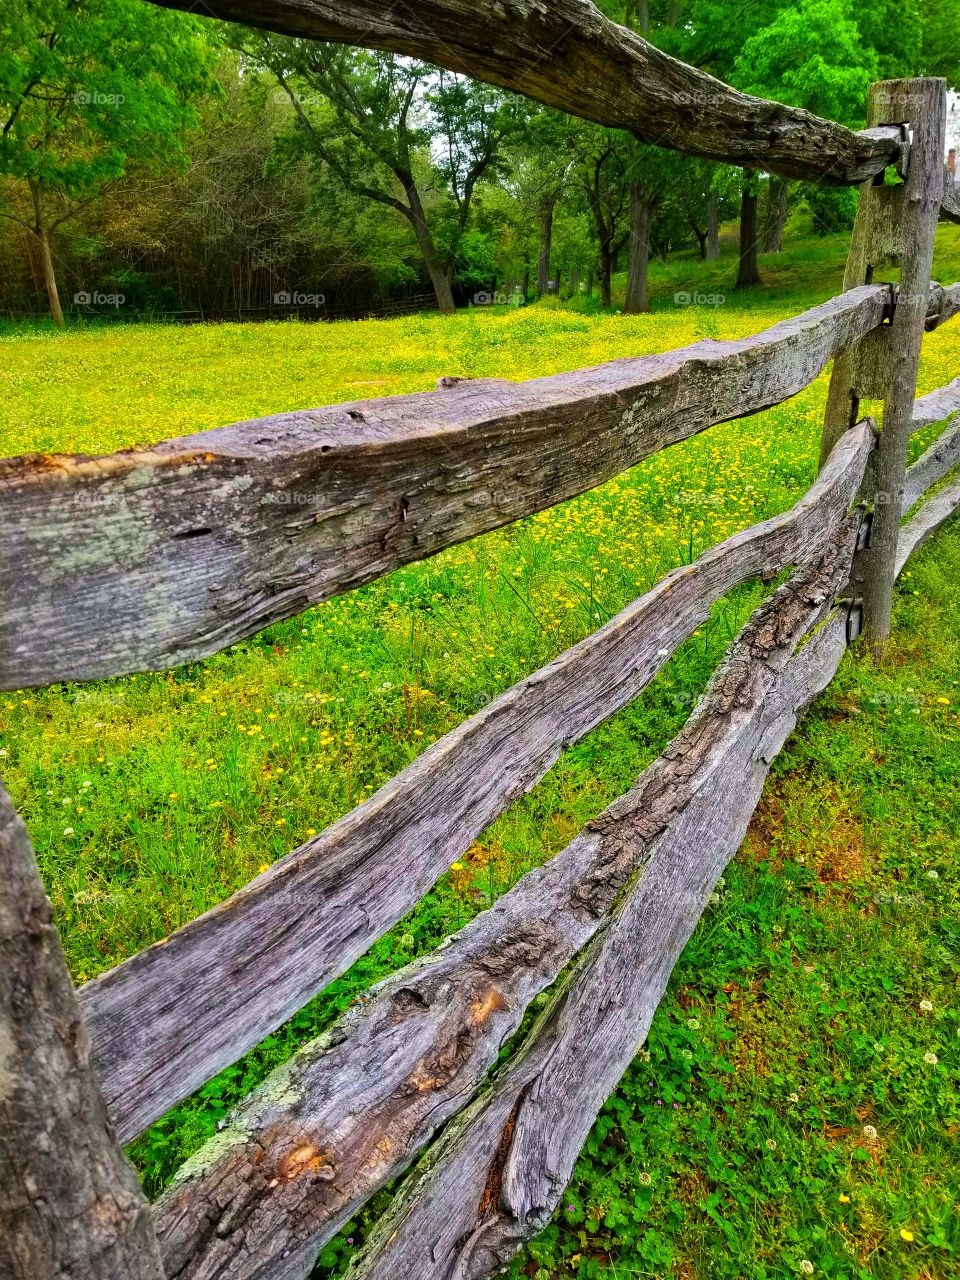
(601, 170)
(87, 88)
(376, 121)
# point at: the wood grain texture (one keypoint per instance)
(152, 557)
(924, 103)
(937, 405)
(569, 55)
(943, 304)
(942, 456)
(929, 518)
(349, 1111)
(496, 1175)
(498, 1171)
(950, 199)
(166, 1020)
(70, 1204)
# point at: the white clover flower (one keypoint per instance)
(869, 1132)
(806, 1266)
(771, 1144)
(68, 831)
(693, 1024)
(793, 1097)
(926, 1006)
(931, 1059)
(933, 875)
(645, 1180)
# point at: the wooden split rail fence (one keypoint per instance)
(152, 557)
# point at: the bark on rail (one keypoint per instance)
(169, 1018)
(70, 1204)
(569, 55)
(498, 1172)
(347, 1113)
(152, 557)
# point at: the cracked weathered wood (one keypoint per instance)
(950, 199)
(497, 1173)
(151, 557)
(936, 405)
(70, 1204)
(942, 456)
(934, 513)
(348, 1112)
(167, 1019)
(943, 305)
(567, 54)
(895, 227)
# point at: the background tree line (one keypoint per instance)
(190, 165)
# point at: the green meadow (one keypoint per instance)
(798, 1101)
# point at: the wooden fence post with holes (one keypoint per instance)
(70, 1204)
(894, 227)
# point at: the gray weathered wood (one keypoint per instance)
(70, 1204)
(895, 227)
(497, 1173)
(913, 227)
(943, 305)
(569, 55)
(170, 1017)
(942, 456)
(950, 199)
(152, 557)
(937, 405)
(349, 1111)
(934, 513)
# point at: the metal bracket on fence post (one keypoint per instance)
(895, 227)
(854, 606)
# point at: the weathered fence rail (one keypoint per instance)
(167, 1019)
(151, 557)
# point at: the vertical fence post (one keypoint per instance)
(894, 227)
(70, 1204)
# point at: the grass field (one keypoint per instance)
(788, 1109)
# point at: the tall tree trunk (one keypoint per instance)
(701, 241)
(46, 257)
(435, 265)
(748, 273)
(546, 239)
(776, 215)
(70, 1204)
(606, 274)
(641, 215)
(713, 227)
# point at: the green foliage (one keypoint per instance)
(810, 56)
(86, 88)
